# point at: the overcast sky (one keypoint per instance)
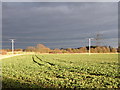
(59, 25)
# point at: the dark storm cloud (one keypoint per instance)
(61, 1)
(59, 24)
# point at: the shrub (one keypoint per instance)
(3, 52)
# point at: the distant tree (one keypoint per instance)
(30, 49)
(56, 50)
(8, 50)
(19, 49)
(99, 50)
(103, 49)
(3, 52)
(77, 51)
(69, 50)
(113, 50)
(118, 50)
(108, 49)
(42, 48)
(74, 50)
(51, 51)
(83, 50)
(93, 50)
(64, 51)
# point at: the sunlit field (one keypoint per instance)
(61, 71)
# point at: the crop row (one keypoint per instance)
(61, 71)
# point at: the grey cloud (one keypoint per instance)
(60, 0)
(59, 21)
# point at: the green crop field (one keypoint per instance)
(61, 71)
